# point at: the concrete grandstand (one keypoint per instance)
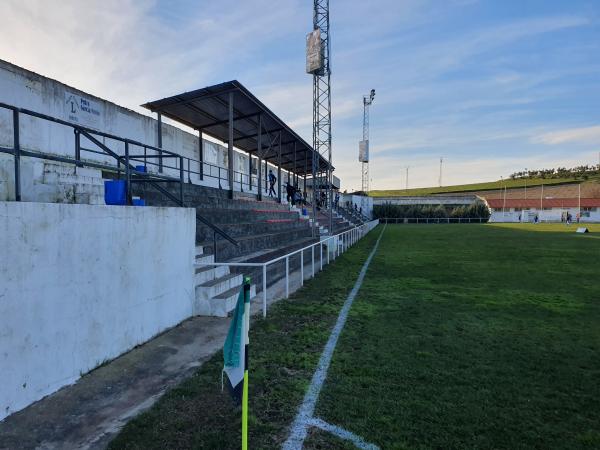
(203, 183)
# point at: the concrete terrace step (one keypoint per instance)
(209, 273)
(206, 236)
(220, 215)
(200, 202)
(276, 271)
(205, 259)
(253, 243)
(239, 230)
(212, 288)
(224, 303)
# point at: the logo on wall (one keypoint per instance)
(82, 111)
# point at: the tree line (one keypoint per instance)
(580, 172)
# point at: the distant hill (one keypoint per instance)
(492, 185)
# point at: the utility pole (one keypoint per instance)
(363, 146)
(407, 167)
(441, 162)
(318, 55)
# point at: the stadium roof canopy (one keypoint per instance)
(255, 128)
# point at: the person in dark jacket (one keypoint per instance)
(272, 181)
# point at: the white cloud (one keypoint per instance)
(582, 135)
(122, 51)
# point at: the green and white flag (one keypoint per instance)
(235, 350)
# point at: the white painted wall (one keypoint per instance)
(82, 284)
(546, 215)
(24, 89)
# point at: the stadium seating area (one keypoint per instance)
(264, 230)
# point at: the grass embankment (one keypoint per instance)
(462, 336)
(465, 188)
(477, 336)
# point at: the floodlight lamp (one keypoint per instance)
(372, 94)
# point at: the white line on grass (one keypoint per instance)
(341, 433)
(305, 417)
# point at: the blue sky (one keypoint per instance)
(492, 86)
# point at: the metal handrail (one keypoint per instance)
(130, 170)
(354, 214)
(347, 238)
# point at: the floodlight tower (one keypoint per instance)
(318, 51)
(363, 155)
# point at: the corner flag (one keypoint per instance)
(235, 355)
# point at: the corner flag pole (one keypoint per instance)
(245, 387)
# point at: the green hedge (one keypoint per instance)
(429, 211)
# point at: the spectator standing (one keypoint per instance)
(272, 181)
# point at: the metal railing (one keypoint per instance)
(353, 214)
(335, 245)
(129, 171)
(124, 162)
(426, 220)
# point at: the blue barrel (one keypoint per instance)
(138, 202)
(114, 192)
(304, 212)
(140, 169)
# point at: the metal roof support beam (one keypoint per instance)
(249, 171)
(223, 122)
(267, 149)
(230, 146)
(159, 140)
(250, 136)
(258, 153)
(201, 154)
(305, 171)
(294, 169)
(279, 170)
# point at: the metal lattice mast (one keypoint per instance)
(364, 154)
(322, 109)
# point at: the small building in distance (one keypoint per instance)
(548, 203)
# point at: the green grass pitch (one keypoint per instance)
(462, 336)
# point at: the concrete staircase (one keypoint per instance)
(340, 223)
(264, 230)
(351, 216)
(216, 290)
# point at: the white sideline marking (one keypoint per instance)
(341, 433)
(304, 418)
